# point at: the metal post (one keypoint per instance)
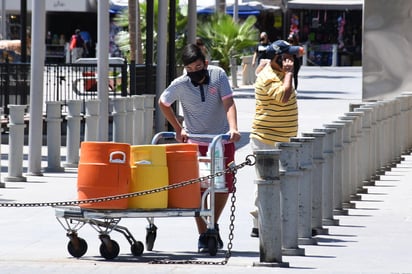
(92, 120)
(16, 142)
(269, 204)
(73, 118)
(289, 187)
(53, 112)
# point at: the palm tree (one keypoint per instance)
(227, 39)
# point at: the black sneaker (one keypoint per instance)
(255, 233)
(202, 245)
(219, 240)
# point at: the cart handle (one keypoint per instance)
(169, 134)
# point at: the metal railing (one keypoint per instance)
(62, 82)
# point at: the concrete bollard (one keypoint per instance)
(138, 120)
(353, 174)
(129, 120)
(54, 120)
(317, 180)
(374, 142)
(403, 98)
(73, 118)
(328, 175)
(366, 161)
(92, 120)
(269, 204)
(305, 190)
(337, 168)
(346, 158)
(16, 142)
(358, 157)
(119, 120)
(289, 188)
(148, 117)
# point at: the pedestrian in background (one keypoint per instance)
(208, 108)
(276, 114)
(260, 52)
(293, 39)
(77, 45)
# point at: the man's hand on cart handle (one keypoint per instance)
(234, 136)
(182, 136)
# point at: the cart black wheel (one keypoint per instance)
(77, 247)
(137, 248)
(212, 245)
(111, 251)
(151, 233)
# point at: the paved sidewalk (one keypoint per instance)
(373, 238)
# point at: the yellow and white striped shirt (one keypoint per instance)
(274, 120)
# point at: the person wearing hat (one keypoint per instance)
(276, 111)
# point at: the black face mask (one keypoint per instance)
(197, 76)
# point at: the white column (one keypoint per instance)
(38, 18)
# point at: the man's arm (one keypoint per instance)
(181, 135)
(231, 113)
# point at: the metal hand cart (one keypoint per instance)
(73, 218)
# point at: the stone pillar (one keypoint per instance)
(129, 120)
(138, 120)
(54, 123)
(16, 143)
(269, 204)
(317, 181)
(73, 118)
(305, 190)
(92, 120)
(119, 119)
(328, 175)
(289, 185)
(148, 117)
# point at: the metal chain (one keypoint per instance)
(250, 160)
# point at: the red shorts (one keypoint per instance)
(229, 157)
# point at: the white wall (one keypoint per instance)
(387, 49)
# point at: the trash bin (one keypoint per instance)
(149, 171)
(104, 170)
(183, 165)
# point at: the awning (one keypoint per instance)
(326, 4)
(117, 6)
(244, 9)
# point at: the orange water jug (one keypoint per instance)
(183, 165)
(104, 170)
(149, 171)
